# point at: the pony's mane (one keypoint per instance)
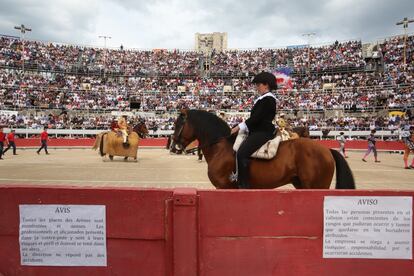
(208, 127)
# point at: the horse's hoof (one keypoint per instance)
(125, 159)
(111, 158)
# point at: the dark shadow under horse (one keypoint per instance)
(303, 162)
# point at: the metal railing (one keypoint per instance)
(85, 133)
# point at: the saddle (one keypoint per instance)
(267, 151)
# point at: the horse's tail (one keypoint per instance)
(102, 145)
(97, 141)
(344, 177)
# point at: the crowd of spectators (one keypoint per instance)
(347, 55)
(392, 51)
(70, 92)
(66, 58)
(69, 58)
(49, 91)
(161, 80)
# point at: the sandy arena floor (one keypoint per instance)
(156, 168)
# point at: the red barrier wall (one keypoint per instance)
(61, 142)
(136, 228)
(277, 233)
(190, 232)
(161, 142)
(363, 144)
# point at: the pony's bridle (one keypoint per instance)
(138, 129)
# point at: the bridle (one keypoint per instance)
(139, 129)
(177, 137)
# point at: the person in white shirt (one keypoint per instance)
(342, 140)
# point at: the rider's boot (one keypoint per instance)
(243, 174)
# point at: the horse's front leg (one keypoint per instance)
(221, 175)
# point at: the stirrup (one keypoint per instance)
(233, 176)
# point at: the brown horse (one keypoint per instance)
(141, 129)
(303, 162)
(110, 142)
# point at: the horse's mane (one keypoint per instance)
(208, 126)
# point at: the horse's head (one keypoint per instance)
(305, 132)
(183, 131)
(141, 129)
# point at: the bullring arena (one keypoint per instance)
(157, 168)
(344, 77)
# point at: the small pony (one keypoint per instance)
(111, 143)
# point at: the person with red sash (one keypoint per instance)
(2, 141)
(11, 141)
(43, 139)
(114, 125)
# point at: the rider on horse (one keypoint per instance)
(281, 122)
(121, 126)
(259, 126)
(114, 125)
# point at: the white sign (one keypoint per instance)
(9, 112)
(369, 227)
(62, 235)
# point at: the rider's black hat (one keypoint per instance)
(266, 78)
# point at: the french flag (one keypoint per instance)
(283, 78)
